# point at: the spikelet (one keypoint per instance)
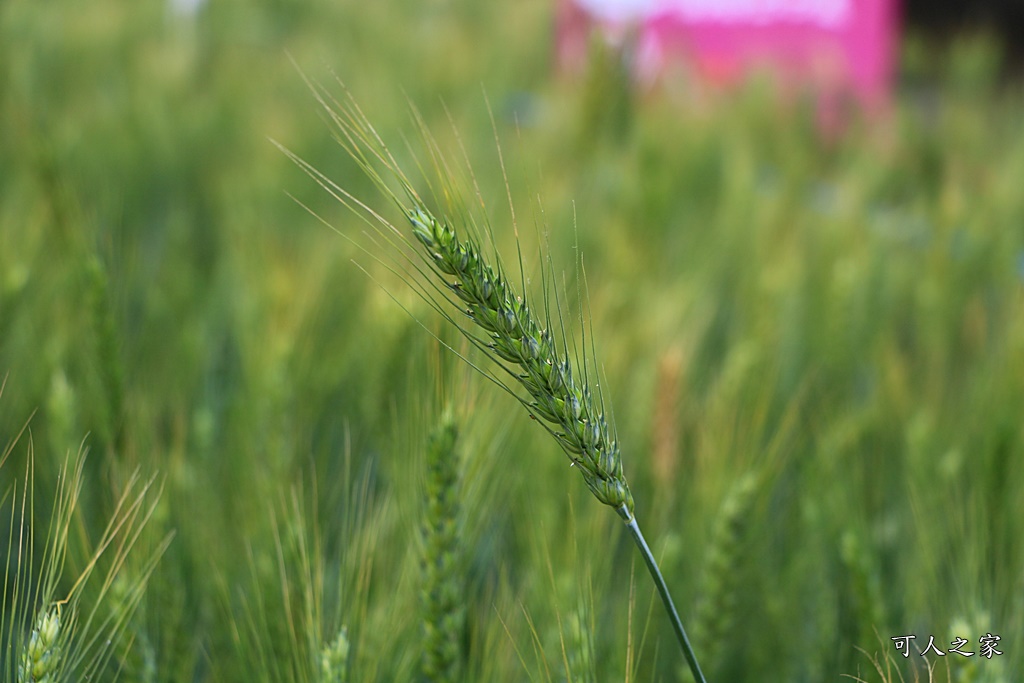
(862, 597)
(569, 642)
(107, 356)
(716, 609)
(443, 584)
(42, 656)
(579, 645)
(334, 659)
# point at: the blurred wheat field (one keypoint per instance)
(813, 351)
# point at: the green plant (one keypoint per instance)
(443, 587)
(334, 659)
(578, 647)
(42, 656)
(723, 571)
(74, 631)
(529, 347)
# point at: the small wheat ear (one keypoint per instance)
(42, 656)
(442, 589)
(334, 659)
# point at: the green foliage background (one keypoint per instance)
(839, 319)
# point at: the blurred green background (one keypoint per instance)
(813, 347)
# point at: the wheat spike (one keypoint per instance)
(42, 656)
(716, 611)
(513, 335)
(334, 659)
(504, 326)
(443, 588)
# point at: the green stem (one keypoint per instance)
(659, 581)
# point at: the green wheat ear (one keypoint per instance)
(452, 273)
(109, 362)
(42, 656)
(334, 659)
(579, 646)
(442, 576)
(716, 610)
(511, 334)
(75, 636)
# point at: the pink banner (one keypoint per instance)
(832, 45)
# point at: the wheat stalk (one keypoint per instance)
(453, 271)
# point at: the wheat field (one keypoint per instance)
(237, 445)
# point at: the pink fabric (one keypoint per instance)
(833, 45)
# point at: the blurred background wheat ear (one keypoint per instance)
(836, 316)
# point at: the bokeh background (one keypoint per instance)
(812, 344)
